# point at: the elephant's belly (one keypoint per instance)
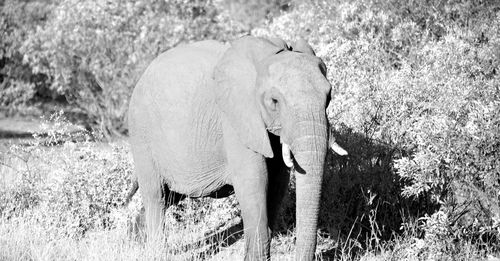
(194, 176)
(190, 156)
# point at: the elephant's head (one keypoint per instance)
(264, 86)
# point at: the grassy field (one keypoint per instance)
(62, 195)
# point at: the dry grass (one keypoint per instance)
(24, 239)
(27, 234)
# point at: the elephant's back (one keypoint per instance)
(175, 115)
(176, 75)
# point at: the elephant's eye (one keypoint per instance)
(271, 100)
(271, 104)
(274, 104)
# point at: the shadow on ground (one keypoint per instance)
(216, 241)
(361, 197)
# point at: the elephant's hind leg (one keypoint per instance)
(154, 205)
(152, 191)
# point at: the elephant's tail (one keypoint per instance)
(131, 193)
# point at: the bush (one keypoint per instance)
(68, 183)
(19, 85)
(414, 101)
(251, 14)
(93, 52)
(19, 196)
(85, 197)
(455, 132)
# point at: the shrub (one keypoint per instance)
(251, 14)
(454, 133)
(69, 184)
(414, 102)
(93, 52)
(18, 196)
(19, 85)
(82, 198)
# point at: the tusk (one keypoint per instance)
(337, 149)
(285, 151)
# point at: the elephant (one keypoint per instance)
(211, 119)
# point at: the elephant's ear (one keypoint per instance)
(279, 42)
(235, 77)
(302, 46)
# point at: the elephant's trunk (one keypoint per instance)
(309, 150)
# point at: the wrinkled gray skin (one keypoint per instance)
(205, 115)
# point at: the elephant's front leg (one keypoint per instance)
(248, 175)
(250, 185)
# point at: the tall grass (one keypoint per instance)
(64, 201)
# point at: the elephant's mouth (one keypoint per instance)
(274, 129)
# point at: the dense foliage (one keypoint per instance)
(19, 84)
(415, 100)
(65, 180)
(93, 52)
